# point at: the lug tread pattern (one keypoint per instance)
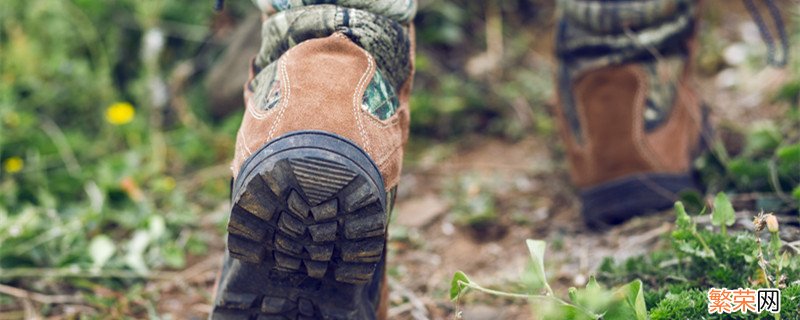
(310, 217)
(320, 178)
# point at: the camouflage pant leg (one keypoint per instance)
(379, 26)
(593, 34)
(598, 33)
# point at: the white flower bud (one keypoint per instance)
(772, 223)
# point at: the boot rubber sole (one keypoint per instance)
(306, 235)
(616, 201)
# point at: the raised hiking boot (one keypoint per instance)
(630, 119)
(317, 156)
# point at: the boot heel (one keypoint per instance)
(616, 201)
(306, 232)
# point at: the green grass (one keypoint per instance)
(669, 283)
(91, 195)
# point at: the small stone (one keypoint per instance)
(419, 212)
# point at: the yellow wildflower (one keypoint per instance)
(120, 113)
(169, 183)
(13, 165)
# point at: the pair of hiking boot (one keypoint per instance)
(320, 149)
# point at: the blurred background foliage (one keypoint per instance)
(110, 169)
(75, 167)
(480, 68)
(115, 171)
(75, 172)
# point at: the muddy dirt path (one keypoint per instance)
(534, 201)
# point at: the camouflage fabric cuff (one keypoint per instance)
(386, 39)
(594, 33)
(398, 10)
(607, 17)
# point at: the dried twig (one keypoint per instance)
(30, 311)
(795, 245)
(38, 297)
(396, 311)
(14, 273)
(210, 263)
(12, 315)
(640, 240)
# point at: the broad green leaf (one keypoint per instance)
(785, 260)
(683, 221)
(593, 298)
(530, 280)
(592, 284)
(628, 303)
(536, 249)
(636, 296)
(723, 211)
(457, 287)
(101, 248)
(548, 309)
(692, 200)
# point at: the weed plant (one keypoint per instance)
(672, 283)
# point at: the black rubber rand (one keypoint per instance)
(306, 235)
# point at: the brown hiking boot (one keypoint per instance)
(318, 156)
(629, 117)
